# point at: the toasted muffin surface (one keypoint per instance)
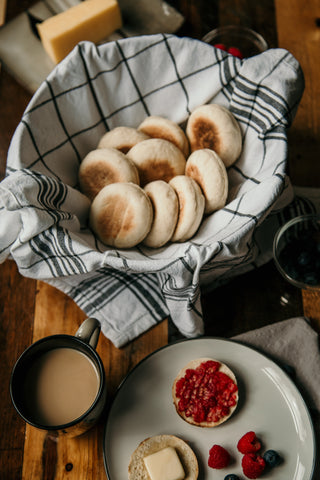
(191, 207)
(205, 392)
(165, 213)
(121, 215)
(161, 127)
(209, 171)
(157, 159)
(214, 126)
(102, 167)
(122, 138)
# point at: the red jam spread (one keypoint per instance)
(205, 393)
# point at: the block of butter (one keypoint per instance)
(91, 20)
(164, 465)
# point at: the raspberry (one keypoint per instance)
(221, 46)
(236, 52)
(218, 457)
(249, 443)
(252, 465)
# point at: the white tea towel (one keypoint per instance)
(97, 88)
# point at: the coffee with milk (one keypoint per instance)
(60, 386)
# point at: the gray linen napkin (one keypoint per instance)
(294, 344)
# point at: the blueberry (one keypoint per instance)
(310, 279)
(231, 476)
(272, 458)
(304, 258)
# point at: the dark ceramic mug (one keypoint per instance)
(58, 384)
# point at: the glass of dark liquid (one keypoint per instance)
(296, 251)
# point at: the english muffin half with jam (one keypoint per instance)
(205, 392)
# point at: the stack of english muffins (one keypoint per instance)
(155, 183)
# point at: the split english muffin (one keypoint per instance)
(121, 215)
(191, 207)
(102, 167)
(214, 126)
(205, 392)
(122, 138)
(208, 170)
(157, 159)
(161, 127)
(138, 466)
(165, 213)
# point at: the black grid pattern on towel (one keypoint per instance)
(102, 288)
(256, 106)
(261, 110)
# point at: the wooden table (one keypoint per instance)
(30, 309)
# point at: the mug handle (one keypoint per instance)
(89, 331)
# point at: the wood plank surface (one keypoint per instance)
(17, 300)
(49, 458)
(298, 27)
(30, 310)
(3, 11)
(311, 307)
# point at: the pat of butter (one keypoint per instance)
(164, 465)
(91, 20)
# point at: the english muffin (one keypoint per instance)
(208, 170)
(165, 213)
(214, 126)
(122, 138)
(104, 166)
(121, 215)
(157, 159)
(191, 207)
(205, 392)
(137, 469)
(161, 127)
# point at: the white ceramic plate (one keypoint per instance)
(269, 404)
